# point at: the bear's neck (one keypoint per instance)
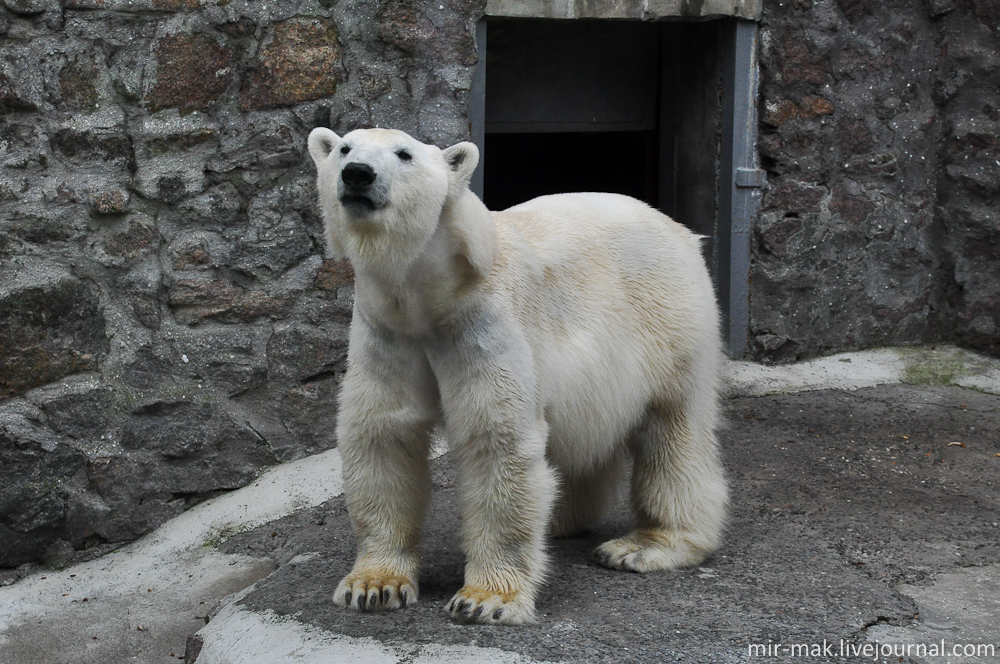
(441, 280)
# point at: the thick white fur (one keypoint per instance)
(554, 341)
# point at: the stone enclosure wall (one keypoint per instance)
(879, 132)
(169, 326)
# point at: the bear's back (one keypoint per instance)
(593, 232)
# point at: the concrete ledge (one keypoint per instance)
(237, 635)
(646, 10)
(943, 365)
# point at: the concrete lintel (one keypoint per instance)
(647, 10)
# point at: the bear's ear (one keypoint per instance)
(462, 159)
(322, 141)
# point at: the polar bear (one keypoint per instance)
(553, 342)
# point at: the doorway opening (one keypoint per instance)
(526, 165)
(625, 107)
(663, 111)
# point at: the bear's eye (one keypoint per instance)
(404, 155)
(345, 149)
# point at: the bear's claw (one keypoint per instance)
(373, 592)
(477, 605)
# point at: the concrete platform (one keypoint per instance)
(864, 527)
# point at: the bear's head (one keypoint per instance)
(382, 192)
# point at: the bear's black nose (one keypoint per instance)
(357, 175)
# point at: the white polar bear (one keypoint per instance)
(552, 340)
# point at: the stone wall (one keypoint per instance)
(879, 133)
(168, 324)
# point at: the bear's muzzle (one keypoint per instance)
(357, 189)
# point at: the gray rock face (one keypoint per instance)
(48, 329)
(168, 325)
(879, 133)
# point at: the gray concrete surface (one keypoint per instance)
(833, 509)
(862, 518)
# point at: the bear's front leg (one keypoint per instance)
(387, 410)
(507, 489)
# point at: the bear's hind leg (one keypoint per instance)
(679, 493)
(583, 497)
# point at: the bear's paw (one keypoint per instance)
(487, 607)
(650, 550)
(375, 590)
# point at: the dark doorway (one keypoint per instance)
(617, 106)
(571, 106)
(523, 166)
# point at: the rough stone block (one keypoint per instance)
(88, 462)
(304, 352)
(988, 13)
(334, 274)
(194, 300)
(137, 239)
(853, 209)
(16, 95)
(301, 63)
(34, 465)
(147, 371)
(126, 67)
(112, 201)
(27, 7)
(134, 5)
(44, 224)
(80, 413)
(443, 37)
(270, 251)
(775, 349)
(800, 65)
(191, 255)
(177, 430)
(216, 208)
(78, 83)
(778, 113)
(309, 412)
(171, 153)
(267, 142)
(191, 72)
(229, 357)
(242, 27)
(47, 332)
(26, 144)
(89, 146)
(794, 196)
(856, 10)
(854, 137)
(174, 450)
(775, 234)
(176, 5)
(937, 8)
